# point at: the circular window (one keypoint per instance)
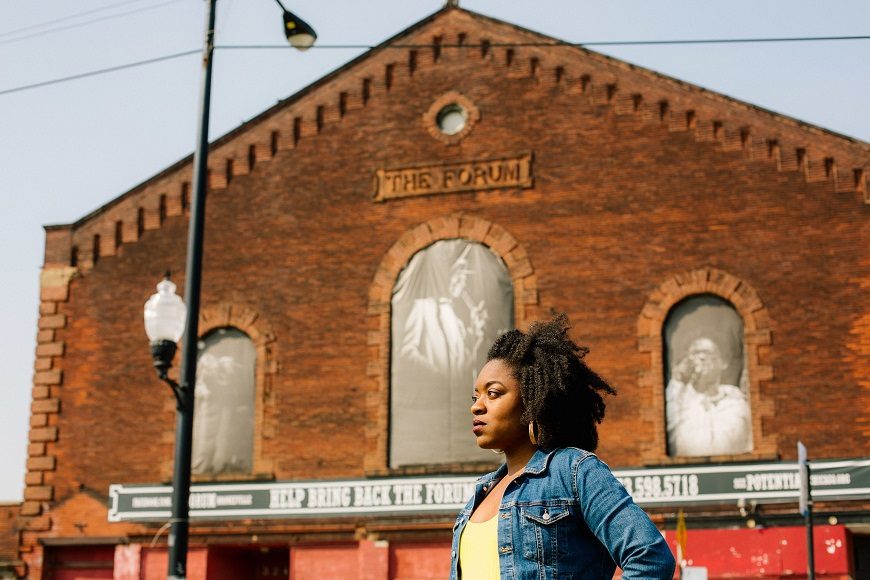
(451, 119)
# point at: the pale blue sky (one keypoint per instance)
(69, 148)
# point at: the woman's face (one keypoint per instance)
(496, 408)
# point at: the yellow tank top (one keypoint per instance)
(478, 550)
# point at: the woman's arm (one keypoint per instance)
(634, 543)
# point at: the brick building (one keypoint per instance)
(8, 539)
(627, 199)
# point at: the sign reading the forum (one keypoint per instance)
(666, 486)
(510, 172)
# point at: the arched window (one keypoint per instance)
(223, 426)
(449, 304)
(707, 395)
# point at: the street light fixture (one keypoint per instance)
(165, 315)
(300, 35)
(298, 32)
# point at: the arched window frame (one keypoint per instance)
(467, 227)
(248, 321)
(757, 339)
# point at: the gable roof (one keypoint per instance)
(793, 145)
(544, 41)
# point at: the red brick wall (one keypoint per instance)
(624, 198)
(419, 560)
(328, 561)
(9, 534)
(619, 206)
(155, 562)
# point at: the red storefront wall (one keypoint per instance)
(767, 552)
(733, 554)
(365, 560)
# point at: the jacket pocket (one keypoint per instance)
(545, 534)
(545, 515)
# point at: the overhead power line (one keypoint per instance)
(82, 24)
(69, 17)
(720, 41)
(101, 71)
(558, 43)
(420, 46)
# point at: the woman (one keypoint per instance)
(553, 510)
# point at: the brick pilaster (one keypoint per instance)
(44, 409)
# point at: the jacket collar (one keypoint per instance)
(537, 464)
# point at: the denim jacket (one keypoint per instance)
(567, 517)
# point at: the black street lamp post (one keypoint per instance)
(163, 346)
(165, 319)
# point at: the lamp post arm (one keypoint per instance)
(163, 351)
(181, 398)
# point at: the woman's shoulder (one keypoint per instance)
(570, 457)
(573, 453)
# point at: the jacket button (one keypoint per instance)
(505, 516)
(505, 549)
(453, 554)
(546, 516)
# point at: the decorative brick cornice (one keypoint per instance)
(756, 333)
(464, 226)
(653, 99)
(258, 329)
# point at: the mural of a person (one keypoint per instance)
(223, 406)
(449, 303)
(706, 398)
(705, 416)
(446, 332)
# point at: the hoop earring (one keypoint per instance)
(497, 451)
(533, 430)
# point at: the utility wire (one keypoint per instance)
(65, 18)
(68, 17)
(85, 23)
(556, 43)
(101, 71)
(720, 41)
(411, 46)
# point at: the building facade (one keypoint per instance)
(368, 237)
